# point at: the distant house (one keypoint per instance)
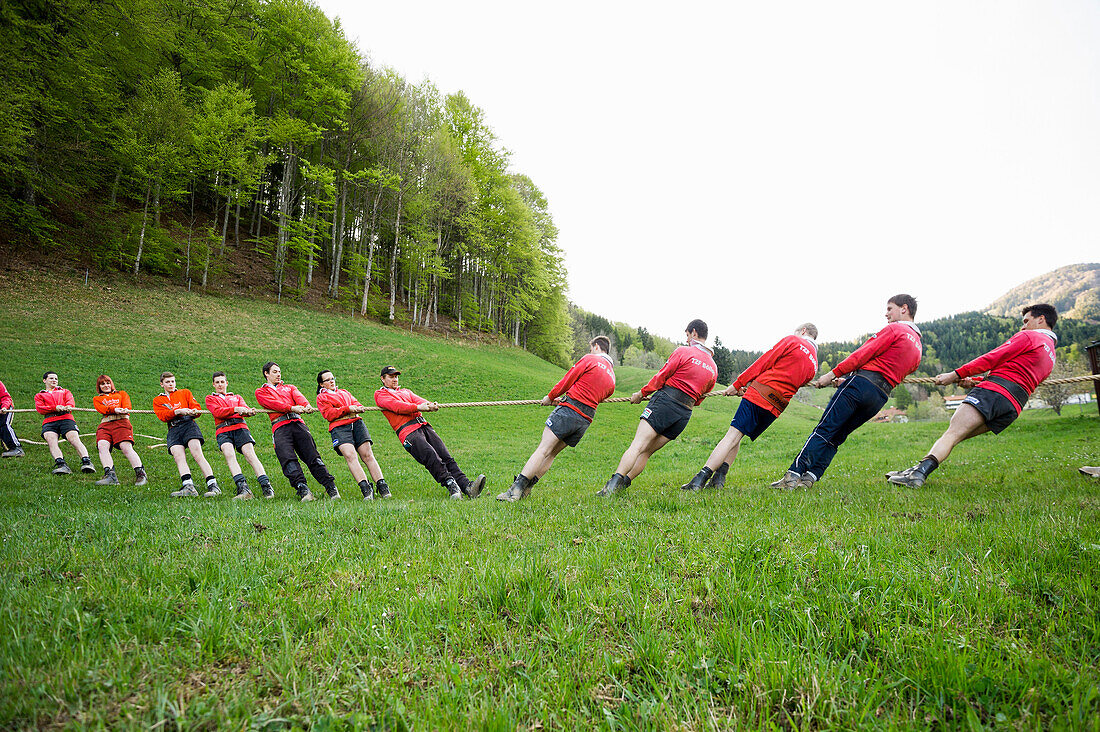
(951, 403)
(891, 414)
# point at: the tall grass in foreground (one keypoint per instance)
(972, 602)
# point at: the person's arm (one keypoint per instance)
(6, 402)
(874, 345)
(301, 404)
(389, 401)
(331, 408)
(219, 406)
(759, 366)
(1008, 350)
(163, 408)
(659, 378)
(126, 406)
(67, 401)
(269, 398)
(570, 378)
(97, 402)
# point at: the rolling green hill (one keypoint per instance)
(1074, 290)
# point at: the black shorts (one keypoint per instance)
(61, 426)
(999, 412)
(751, 419)
(567, 425)
(183, 433)
(237, 438)
(666, 416)
(353, 433)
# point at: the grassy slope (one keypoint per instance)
(854, 604)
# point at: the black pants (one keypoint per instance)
(292, 441)
(7, 434)
(424, 445)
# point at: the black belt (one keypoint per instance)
(231, 421)
(677, 395)
(584, 409)
(418, 420)
(180, 420)
(877, 379)
(1017, 392)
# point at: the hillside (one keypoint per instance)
(1074, 290)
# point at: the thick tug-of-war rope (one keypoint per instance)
(512, 403)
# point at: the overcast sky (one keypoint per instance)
(762, 164)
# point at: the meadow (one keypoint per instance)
(972, 602)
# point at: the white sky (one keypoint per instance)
(762, 164)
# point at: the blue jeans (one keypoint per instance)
(855, 402)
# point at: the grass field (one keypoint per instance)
(973, 602)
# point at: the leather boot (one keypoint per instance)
(617, 481)
(521, 488)
(699, 481)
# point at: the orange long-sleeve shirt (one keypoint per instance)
(165, 405)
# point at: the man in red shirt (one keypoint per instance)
(55, 404)
(766, 387)
(12, 446)
(681, 384)
(403, 410)
(589, 382)
(292, 437)
(233, 435)
(177, 408)
(872, 372)
(350, 436)
(1015, 368)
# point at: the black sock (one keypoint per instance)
(59, 461)
(706, 473)
(186, 478)
(264, 480)
(211, 480)
(86, 459)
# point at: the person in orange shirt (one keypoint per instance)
(178, 409)
(114, 431)
(350, 436)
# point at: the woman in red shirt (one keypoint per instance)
(350, 437)
(114, 431)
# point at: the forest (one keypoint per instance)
(167, 137)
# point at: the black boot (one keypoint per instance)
(140, 478)
(718, 478)
(244, 493)
(303, 493)
(521, 488)
(332, 491)
(452, 487)
(383, 489)
(367, 488)
(265, 487)
(86, 465)
(61, 467)
(699, 481)
(915, 476)
(617, 481)
(109, 477)
(473, 490)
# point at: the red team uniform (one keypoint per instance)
(682, 383)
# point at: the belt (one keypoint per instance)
(1017, 392)
(773, 397)
(580, 407)
(677, 395)
(419, 419)
(877, 379)
(231, 422)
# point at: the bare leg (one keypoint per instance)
(249, 452)
(104, 448)
(543, 456)
(352, 459)
(128, 451)
(51, 443)
(179, 454)
(726, 450)
(966, 422)
(646, 442)
(230, 456)
(366, 452)
(195, 448)
(74, 439)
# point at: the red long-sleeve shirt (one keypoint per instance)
(785, 368)
(590, 381)
(6, 402)
(223, 407)
(400, 407)
(335, 406)
(894, 352)
(165, 405)
(1025, 359)
(690, 369)
(48, 400)
(280, 399)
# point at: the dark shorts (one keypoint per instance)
(353, 433)
(999, 412)
(751, 420)
(61, 426)
(567, 425)
(115, 432)
(237, 438)
(666, 416)
(183, 433)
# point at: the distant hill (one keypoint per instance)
(1074, 290)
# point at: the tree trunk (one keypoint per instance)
(114, 187)
(141, 237)
(156, 206)
(396, 250)
(285, 196)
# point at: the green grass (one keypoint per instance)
(972, 602)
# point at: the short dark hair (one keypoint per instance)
(699, 327)
(320, 381)
(601, 342)
(908, 301)
(166, 375)
(47, 375)
(1042, 310)
(268, 365)
(217, 374)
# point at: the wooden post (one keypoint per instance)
(1094, 363)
